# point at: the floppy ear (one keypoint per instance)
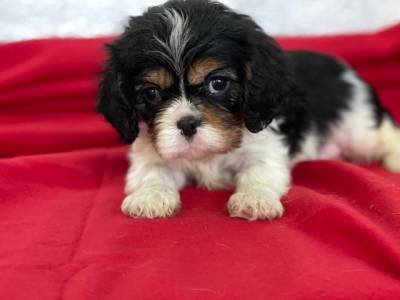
(267, 85)
(113, 104)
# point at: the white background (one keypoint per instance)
(20, 19)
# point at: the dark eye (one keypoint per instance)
(218, 85)
(152, 94)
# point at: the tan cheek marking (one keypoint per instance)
(201, 68)
(160, 77)
(229, 125)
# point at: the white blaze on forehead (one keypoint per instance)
(182, 88)
(178, 37)
(169, 135)
(180, 108)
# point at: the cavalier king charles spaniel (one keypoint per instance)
(205, 96)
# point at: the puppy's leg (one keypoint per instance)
(151, 187)
(152, 200)
(261, 183)
(380, 144)
(366, 132)
(389, 134)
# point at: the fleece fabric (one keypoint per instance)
(62, 168)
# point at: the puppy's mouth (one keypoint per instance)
(204, 143)
(192, 152)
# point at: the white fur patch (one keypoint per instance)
(262, 179)
(310, 148)
(390, 140)
(151, 188)
(356, 133)
(178, 37)
(147, 167)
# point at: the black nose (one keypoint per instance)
(188, 126)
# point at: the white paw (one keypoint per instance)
(392, 162)
(255, 204)
(151, 202)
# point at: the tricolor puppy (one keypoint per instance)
(205, 96)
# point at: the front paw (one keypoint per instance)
(152, 202)
(255, 204)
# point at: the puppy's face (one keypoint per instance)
(193, 112)
(197, 74)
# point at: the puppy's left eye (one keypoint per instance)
(218, 85)
(152, 94)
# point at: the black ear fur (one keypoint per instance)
(112, 103)
(267, 87)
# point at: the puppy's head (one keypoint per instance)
(196, 73)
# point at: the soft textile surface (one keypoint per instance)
(62, 235)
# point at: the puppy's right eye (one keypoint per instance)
(218, 85)
(152, 94)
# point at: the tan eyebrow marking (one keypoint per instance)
(160, 77)
(201, 68)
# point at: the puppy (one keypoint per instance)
(206, 96)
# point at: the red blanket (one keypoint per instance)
(62, 235)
